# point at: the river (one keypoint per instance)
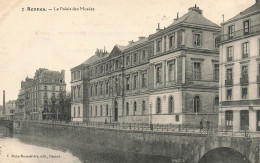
(31, 149)
(15, 151)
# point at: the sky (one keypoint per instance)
(58, 40)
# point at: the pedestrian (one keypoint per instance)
(201, 125)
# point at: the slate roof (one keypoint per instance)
(192, 17)
(253, 8)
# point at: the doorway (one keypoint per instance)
(244, 119)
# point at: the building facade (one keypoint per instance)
(169, 77)
(240, 69)
(10, 110)
(39, 94)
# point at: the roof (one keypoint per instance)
(50, 72)
(253, 8)
(136, 43)
(193, 17)
(94, 58)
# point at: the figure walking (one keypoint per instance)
(201, 125)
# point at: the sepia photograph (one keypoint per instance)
(129, 81)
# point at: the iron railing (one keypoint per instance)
(239, 33)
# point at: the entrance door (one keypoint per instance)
(244, 119)
(116, 111)
(258, 120)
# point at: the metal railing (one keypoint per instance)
(252, 30)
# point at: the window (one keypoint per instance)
(135, 57)
(101, 88)
(171, 105)
(172, 41)
(143, 55)
(230, 31)
(53, 88)
(74, 111)
(144, 80)
(128, 83)
(107, 67)
(107, 87)
(45, 88)
(217, 42)
(135, 107)
(61, 88)
(229, 74)
(101, 69)
(216, 72)
(116, 85)
(196, 70)
(229, 118)
(96, 92)
(78, 91)
(246, 27)
(127, 108)
(197, 39)
(158, 74)
(216, 101)
(230, 53)
(101, 110)
(158, 106)
(91, 91)
(91, 112)
(177, 118)
(244, 93)
(196, 104)
(135, 82)
(117, 64)
(96, 111)
(229, 94)
(159, 46)
(128, 60)
(106, 110)
(259, 92)
(244, 71)
(171, 71)
(143, 107)
(245, 50)
(78, 111)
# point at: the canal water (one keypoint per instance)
(31, 149)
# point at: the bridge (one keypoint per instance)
(8, 124)
(182, 144)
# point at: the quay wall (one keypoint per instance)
(155, 143)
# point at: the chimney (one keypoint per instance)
(197, 9)
(141, 37)
(177, 17)
(3, 102)
(158, 29)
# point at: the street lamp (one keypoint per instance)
(151, 124)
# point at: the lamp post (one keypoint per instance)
(151, 124)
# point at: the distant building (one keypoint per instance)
(169, 77)
(38, 94)
(9, 110)
(240, 71)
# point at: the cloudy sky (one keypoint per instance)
(63, 39)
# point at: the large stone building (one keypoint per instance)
(240, 70)
(169, 77)
(37, 94)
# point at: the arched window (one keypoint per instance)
(143, 107)
(135, 107)
(196, 104)
(107, 110)
(171, 105)
(127, 108)
(101, 110)
(158, 106)
(78, 111)
(96, 111)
